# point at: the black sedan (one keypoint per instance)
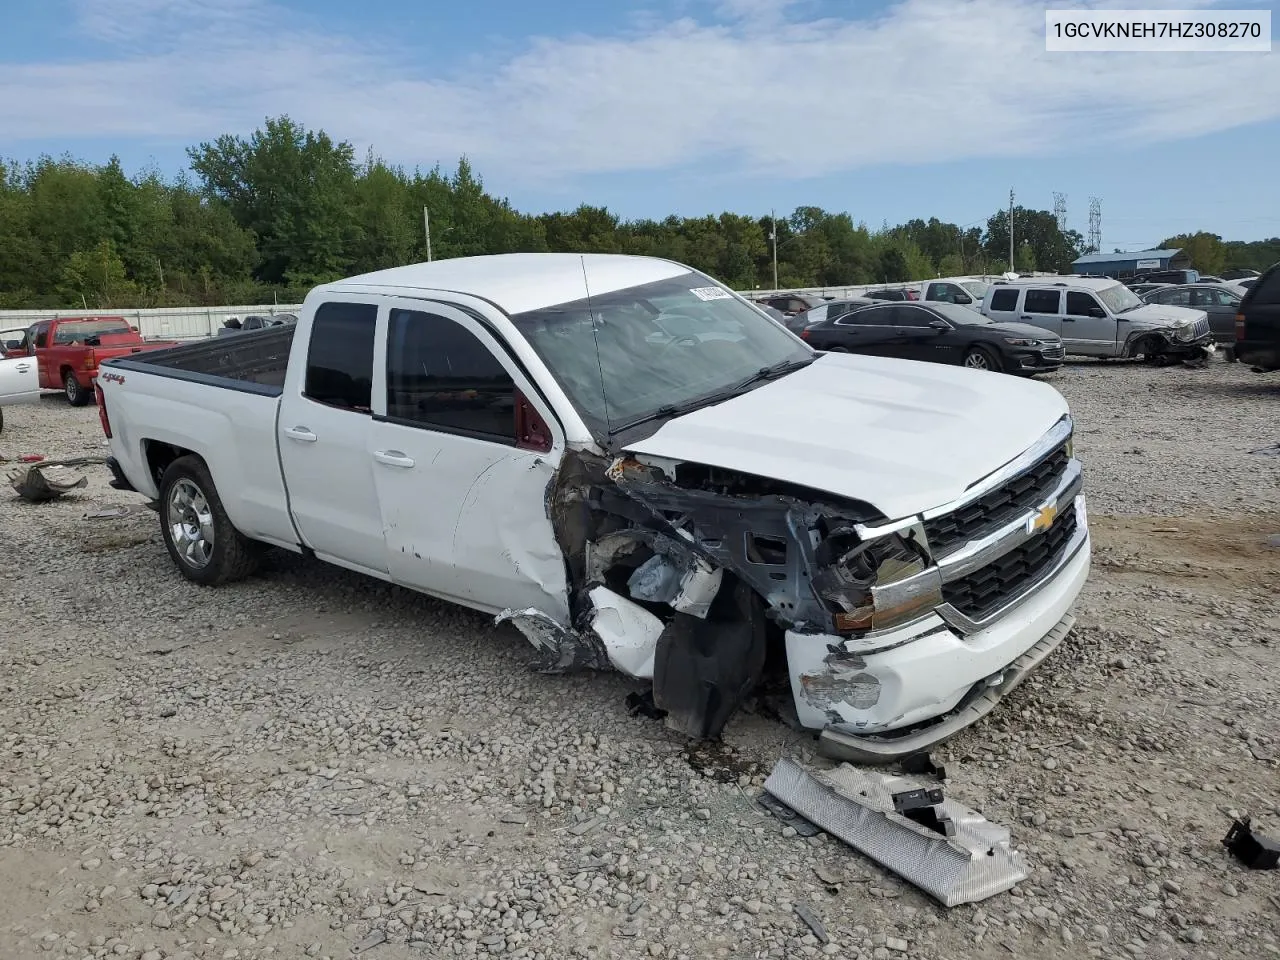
(939, 333)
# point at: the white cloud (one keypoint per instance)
(927, 82)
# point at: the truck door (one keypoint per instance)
(462, 479)
(38, 344)
(323, 434)
(18, 381)
(1087, 327)
(1042, 308)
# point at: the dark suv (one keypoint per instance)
(1258, 323)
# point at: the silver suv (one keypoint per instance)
(1100, 317)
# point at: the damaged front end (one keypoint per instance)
(1189, 342)
(892, 635)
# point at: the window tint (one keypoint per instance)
(873, 317)
(1079, 304)
(42, 336)
(1267, 289)
(1042, 301)
(340, 356)
(1175, 298)
(440, 375)
(913, 317)
(1005, 298)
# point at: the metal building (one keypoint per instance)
(1122, 266)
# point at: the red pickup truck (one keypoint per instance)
(68, 351)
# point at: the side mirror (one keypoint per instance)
(13, 344)
(940, 325)
(1097, 312)
(963, 298)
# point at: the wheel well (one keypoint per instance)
(160, 455)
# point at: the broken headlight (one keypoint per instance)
(876, 584)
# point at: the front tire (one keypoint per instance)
(980, 358)
(199, 535)
(77, 395)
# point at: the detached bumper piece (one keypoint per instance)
(947, 850)
(1252, 849)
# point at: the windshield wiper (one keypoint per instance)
(669, 410)
(770, 372)
(662, 413)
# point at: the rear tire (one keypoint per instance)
(980, 358)
(205, 546)
(77, 395)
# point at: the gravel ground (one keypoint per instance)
(313, 762)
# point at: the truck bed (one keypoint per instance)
(254, 362)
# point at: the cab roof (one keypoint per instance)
(517, 282)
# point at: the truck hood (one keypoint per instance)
(1161, 315)
(900, 435)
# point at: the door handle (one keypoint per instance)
(22, 367)
(1026, 316)
(393, 458)
(1068, 319)
(300, 433)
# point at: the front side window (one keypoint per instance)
(440, 376)
(632, 355)
(1006, 298)
(873, 317)
(340, 356)
(1079, 304)
(1042, 301)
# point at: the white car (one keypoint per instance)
(19, 383)
(1100, 317)
(966, 291)
(640, 471)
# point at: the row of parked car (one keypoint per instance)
(1025, 325)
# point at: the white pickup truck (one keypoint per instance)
(640, 471)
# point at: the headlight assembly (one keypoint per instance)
(877, 584)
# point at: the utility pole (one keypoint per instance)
(426, 223)
(1012, 268)
(773, 235)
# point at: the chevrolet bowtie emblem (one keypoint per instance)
(1042, 519)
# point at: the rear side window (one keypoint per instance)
(340, 356)
(1267, 289)
(1042, 301)
(440, 376)
(1006, 298)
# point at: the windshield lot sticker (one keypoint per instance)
(711, 293)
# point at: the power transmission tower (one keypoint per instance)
(1060, 210)
(1095, 224)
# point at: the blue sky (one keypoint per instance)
(889, 110)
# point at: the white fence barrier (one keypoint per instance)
(193, 323)
(166, 323)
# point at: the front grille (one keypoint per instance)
(987, 590)
(990, 511)
(1053, 353)
(1201, 328)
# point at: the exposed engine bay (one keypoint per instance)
(679, 572)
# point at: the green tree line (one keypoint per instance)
(268, 216)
